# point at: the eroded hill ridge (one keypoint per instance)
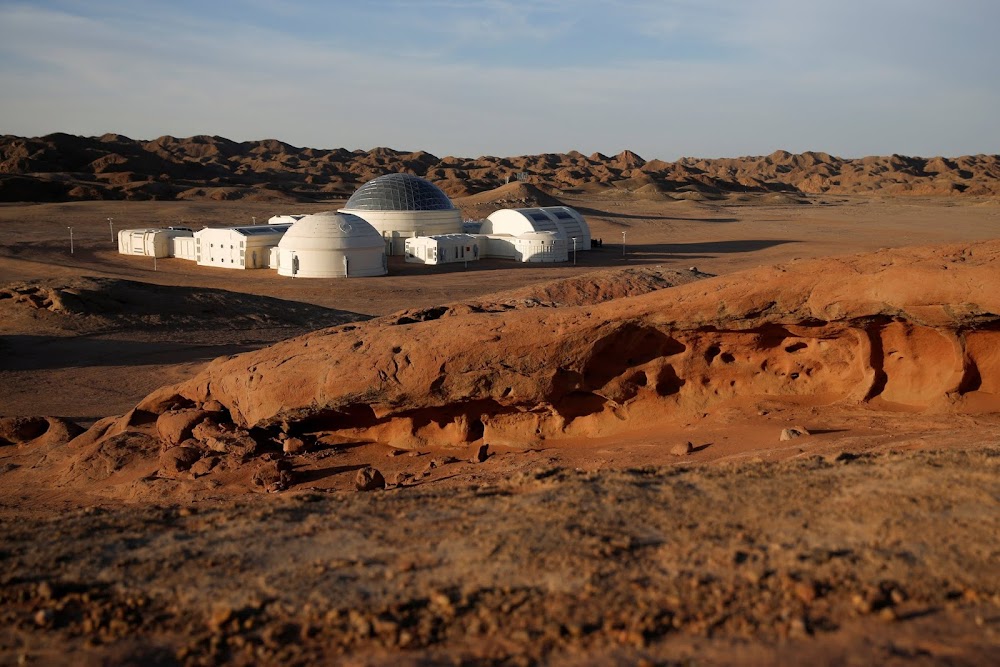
(914, 329)
(63, 167)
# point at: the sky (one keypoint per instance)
(663, 78)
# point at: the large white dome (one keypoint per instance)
(331, 245)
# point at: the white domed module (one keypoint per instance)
(331, 245)
(402, 206)
(563, 220)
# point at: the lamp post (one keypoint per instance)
(623, 244)
(70, 240)
(574, 251)
(111, 226)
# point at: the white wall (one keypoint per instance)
(397, 226)
(229, 249)
(444, 249)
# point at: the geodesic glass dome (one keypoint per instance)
(399, 192)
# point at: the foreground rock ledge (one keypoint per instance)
(912, 329)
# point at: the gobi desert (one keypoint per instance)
(764, 429)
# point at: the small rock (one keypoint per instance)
(481, 454)
(805, 591)
(45, 591)
(213, 406)
(402, 478)
(682, 449)
(179, 459)
(221, 614)
(793, 432)
(369, 479)
(176, 426)
(204, 466)
(273, 476)
(293, 446)
(43, 617)
(394, 453)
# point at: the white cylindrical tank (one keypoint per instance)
(331, 245)
(540, 247)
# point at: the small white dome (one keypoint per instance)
(330, 230)
(331, 245)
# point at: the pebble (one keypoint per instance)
(793, 432)
(369, 479)
(293, 446)
(682, 449)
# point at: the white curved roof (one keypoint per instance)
(538, 236)
(330, 230)
(563, 220)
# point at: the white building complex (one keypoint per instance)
(402, 206)
(396, 214)
(331, 245)
(237, 247)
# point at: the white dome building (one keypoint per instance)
(331, 245)
(402, 206)
(563, 220)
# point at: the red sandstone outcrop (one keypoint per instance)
(60, 167)
(911, 329)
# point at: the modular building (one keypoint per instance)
(238, 247)
(540, 247)
(402, 206)
(442, 249)
(149, 242)
(331, 245)
(566, 222)
(184, 247)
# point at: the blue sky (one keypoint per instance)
(667, 78)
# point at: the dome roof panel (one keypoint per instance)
(399, 192)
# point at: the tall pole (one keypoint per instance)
(111, 226)
(623, 244)
(70, 240)
(574, 251)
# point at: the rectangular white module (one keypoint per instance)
(151, 242)
(238, 247)
(442, 249)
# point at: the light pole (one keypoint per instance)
(70, 240)
(574, 251)
(623, 244)
(111, 226)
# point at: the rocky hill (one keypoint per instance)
(63, 167)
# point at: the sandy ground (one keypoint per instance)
(873, 541)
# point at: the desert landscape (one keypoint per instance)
(759, 424)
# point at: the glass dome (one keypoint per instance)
(399, 192)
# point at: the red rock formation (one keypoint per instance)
(911, 329)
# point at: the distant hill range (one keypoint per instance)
(64, 167)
